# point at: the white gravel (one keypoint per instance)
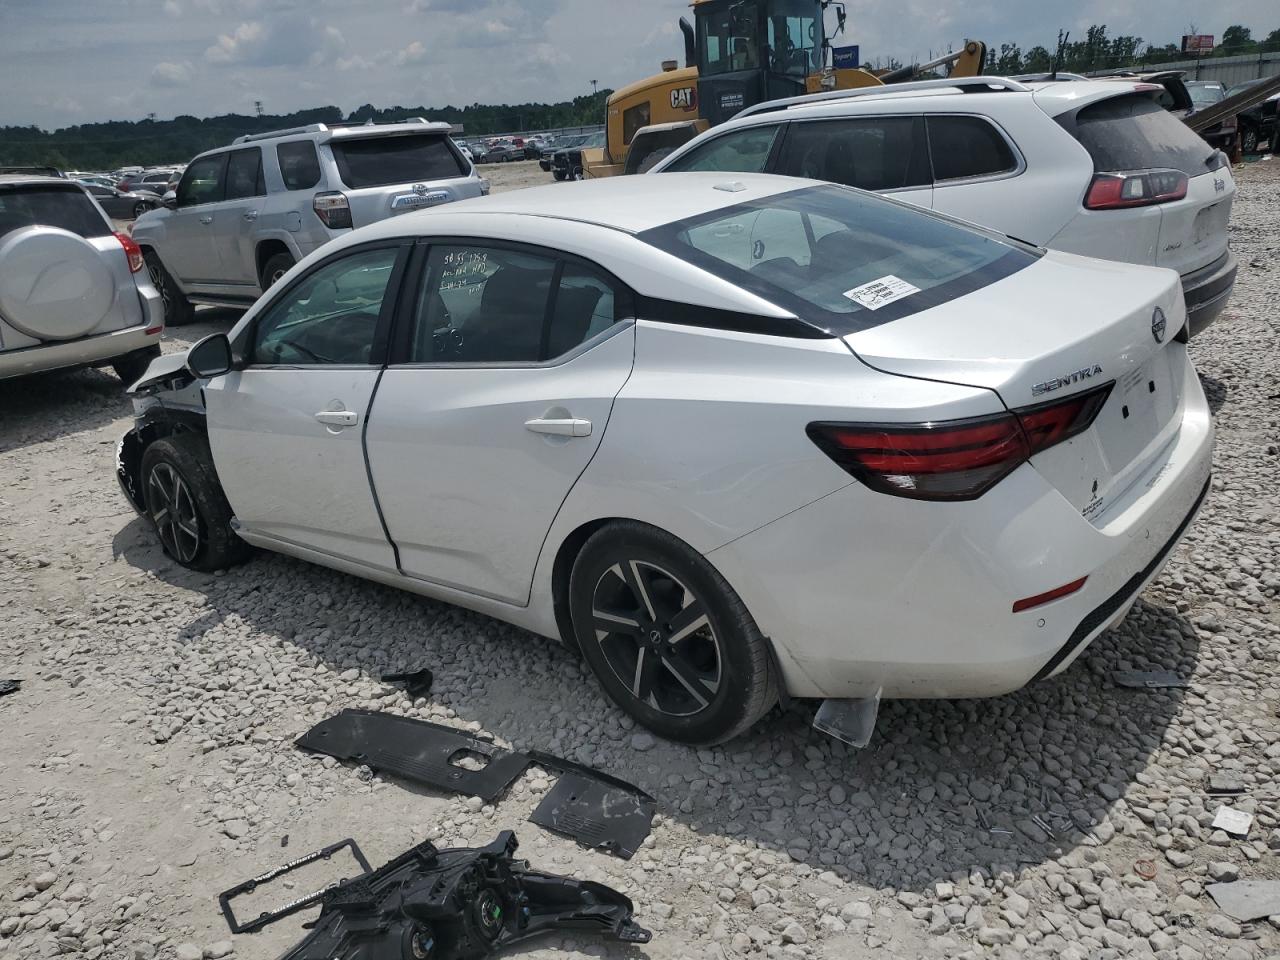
(147, 761)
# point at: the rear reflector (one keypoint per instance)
(132, 252)
(1116, 191)
(954, 459)
(1056, 593)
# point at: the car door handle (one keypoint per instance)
(251, 215)
(560, 428)
(206, 220)
(338, 418)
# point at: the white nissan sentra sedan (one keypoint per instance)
(727, 435)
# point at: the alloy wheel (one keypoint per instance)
(1249, 141)
(174, 512)
(656, 636)
(156, 272)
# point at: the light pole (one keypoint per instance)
(593, 87)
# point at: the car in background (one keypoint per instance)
(566, 163)
(466, 151)
(34, 170)
(1204, 94)
(503, 151)
(563, 143)
(158, 182)
(73, 293)
(1258, 129)
(543, 428)
(243, 215)
(95, 179)
(122, 204)
(533, 147)
(1096, 167)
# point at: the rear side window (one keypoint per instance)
(871, 153)
(963, 147)
(299, 166)
(742, 151)
(41, 206)
(379, 161)
(1133, 132)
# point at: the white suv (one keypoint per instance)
(243, 215)
(1090, 167)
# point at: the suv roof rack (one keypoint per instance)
(965, 84)
(321, 128)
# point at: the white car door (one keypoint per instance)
(286, 427)
(496, 406)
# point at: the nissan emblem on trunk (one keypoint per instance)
(1158, 324)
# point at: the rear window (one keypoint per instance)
(380, 161)
(841, 259)
(67, 209)
(1133, 132)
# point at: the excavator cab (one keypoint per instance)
(751, 51)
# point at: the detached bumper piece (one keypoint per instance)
(460, 904)
(597, 810)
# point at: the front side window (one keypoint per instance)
(488, 304)
(203, 181)
(871, 153)
(741, 151)
(330, 317)
(839, 259)
(299, 165)
(244, 174)
(963, 147)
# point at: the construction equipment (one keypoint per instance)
(739, 53)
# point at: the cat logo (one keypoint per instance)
(684, 98)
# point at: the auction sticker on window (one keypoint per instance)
(879, 293)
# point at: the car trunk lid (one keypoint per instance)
(1193, 231)
(1059, 328)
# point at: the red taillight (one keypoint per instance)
(1114, 191)
(1057, 593)
(132, 252)
(955, 459)
(123, 185)
(333, 210)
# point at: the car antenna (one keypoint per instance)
(1057, 57)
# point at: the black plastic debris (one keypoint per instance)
(596, 809)
(1148, 679)
(426, 753)
(9, 686)
(292, 906)
(459, 904)
(417, 683)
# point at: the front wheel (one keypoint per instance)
(667, 637)
(140, 208)
(186, 505)
(1249, 139)
(559, 174)
(577, 173)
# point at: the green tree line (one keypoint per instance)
(110, 145)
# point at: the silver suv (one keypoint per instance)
(72, 292)
(243, 215)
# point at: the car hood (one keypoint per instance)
(162, 368)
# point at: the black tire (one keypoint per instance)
(140, 208)
(1248, 138)
(275, 268)
(577, 173)
(702, 670)
(186, 505)
(132, 366)
(177, 308)
(559, 174)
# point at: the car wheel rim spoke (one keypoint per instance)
(657, 637)
(173, 511)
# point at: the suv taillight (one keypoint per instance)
(132, 252)
(333, 210)
(955, 459)
(1142, 188)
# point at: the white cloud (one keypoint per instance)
(172, 8)
(284, 41)
(166, 74)
(413, 53)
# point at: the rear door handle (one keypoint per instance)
(560, 428)
(338, 418)
(206, 220)
(251, 215)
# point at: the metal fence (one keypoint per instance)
(1227, 70)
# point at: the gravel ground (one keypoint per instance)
(147, 760)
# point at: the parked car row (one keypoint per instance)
(1258, 128)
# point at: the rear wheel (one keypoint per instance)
(186, 505)
(275, 268)
(132, 366)
(577, 173)
(667, 637)
(1249, 139)
(559, 174)
(177, 308)
(140, 208)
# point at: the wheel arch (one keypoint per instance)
(133, 445)
(268, 248)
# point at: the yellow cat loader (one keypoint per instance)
(737, 53)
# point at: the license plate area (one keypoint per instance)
(1144, 401)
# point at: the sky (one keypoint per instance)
(75, 61)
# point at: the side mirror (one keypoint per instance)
(211, 357)
(170, 200)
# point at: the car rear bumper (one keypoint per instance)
(85, 352)
(862, 592)
(1207, 291)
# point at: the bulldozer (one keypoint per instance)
(739, 53)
